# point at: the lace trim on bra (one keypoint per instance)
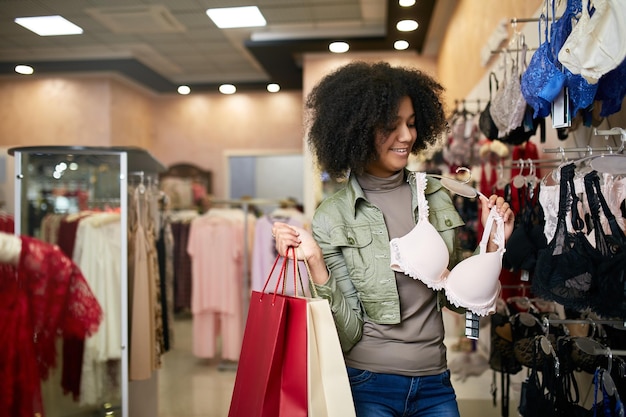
(422, 203)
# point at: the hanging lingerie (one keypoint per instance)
(597, 43)
(564, 269)
(542, 81)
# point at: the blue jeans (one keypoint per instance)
(386, 395)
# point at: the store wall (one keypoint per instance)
(131, 113)
(55, 111)
(104, 111)
(203, 128)
(471, 25)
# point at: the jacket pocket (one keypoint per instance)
(356, 245)
(445, 219)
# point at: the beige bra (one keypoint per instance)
(422, 254)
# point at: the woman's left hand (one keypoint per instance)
(504, 210)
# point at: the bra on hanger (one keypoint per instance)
(609, 295)
(422, 254)
(542, 81)
(564, 269)
(581, 92)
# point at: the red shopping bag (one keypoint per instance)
(271, 378)
(293, 391)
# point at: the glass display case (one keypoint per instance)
(72, 181)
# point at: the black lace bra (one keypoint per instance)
(565, 268)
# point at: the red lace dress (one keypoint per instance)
(44, 297)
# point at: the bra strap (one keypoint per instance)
(422, 203)
(597, 200)
(499, 235)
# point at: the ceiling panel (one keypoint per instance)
(198, 53)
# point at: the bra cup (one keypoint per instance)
(476, 295)
(421, 254)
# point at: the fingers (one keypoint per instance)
(502, 207)
(285, 236)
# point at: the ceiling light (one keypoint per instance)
(406, 3)
(24, 69)
(273, 88)
(184, 90)
(49, 25)
(338, 47)
(228, 89)
(406, 25)
(400, 45)
(236, 17)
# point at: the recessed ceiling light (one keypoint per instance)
(49, 25)
(24, 69)
(406, 3)
(406, 25)
(236, 17)
(400, 45)
(273, 88)
(338, 47)
(228, 89)
(184, 90)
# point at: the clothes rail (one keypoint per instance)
(611, 132)
(535, 163)
(502, 50)
(517, 20)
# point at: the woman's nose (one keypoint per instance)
(406, 134)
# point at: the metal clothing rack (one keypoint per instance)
(611, 132)
(589, 150)
(604, 352)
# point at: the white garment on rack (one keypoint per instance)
(97, 253)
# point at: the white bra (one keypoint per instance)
(422, 254)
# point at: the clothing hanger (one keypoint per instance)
(461, 188)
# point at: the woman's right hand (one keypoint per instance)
(306, 247)
(287, 236)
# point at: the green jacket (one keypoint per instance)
(354, 240)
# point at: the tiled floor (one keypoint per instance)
(191, 387)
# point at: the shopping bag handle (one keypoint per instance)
(308, 271)
(282, 275)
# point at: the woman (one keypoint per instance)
(365, 120)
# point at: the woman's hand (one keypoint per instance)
(504, 210)
(306, 247)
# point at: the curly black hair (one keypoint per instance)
(349, 106)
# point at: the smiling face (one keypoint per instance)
(394, 144)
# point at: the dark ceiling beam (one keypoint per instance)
(280, 58)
